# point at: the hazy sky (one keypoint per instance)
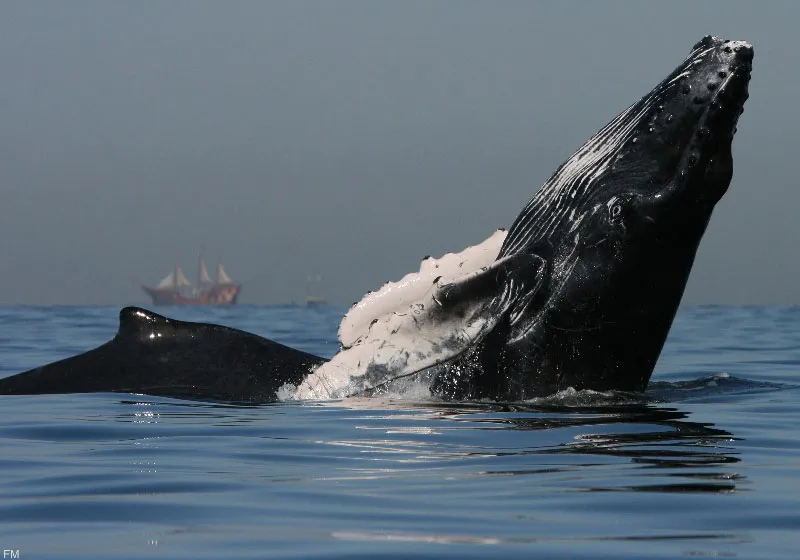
(350, 138)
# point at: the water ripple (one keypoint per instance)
(703, 464)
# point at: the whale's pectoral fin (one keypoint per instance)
(397, 296)
(446, 322)
(154, 355)
(505, 283)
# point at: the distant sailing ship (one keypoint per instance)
(175, 288)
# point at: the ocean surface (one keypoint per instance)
(706, 464)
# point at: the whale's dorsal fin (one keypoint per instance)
(137, 323)
(443, 324)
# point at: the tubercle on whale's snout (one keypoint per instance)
(727, 46)
(709, 91)
(712, 81)
(719, 63)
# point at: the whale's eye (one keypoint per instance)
(616, 209)
(619, 208)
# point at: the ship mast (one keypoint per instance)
(203, 278)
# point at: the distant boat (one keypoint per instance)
(311, 299)
(175, 288)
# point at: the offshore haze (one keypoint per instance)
(350, 138)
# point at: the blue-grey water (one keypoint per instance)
(706, 466)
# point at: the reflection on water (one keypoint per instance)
(374, 470)
(649, 436)
(475, 539)
(665, 450)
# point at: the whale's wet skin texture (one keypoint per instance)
(580, 292)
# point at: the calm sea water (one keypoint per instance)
(707, 466)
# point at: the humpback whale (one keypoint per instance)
(580, 292)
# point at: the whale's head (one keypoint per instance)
(619, 224)
(674, 145)
(678, 149)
